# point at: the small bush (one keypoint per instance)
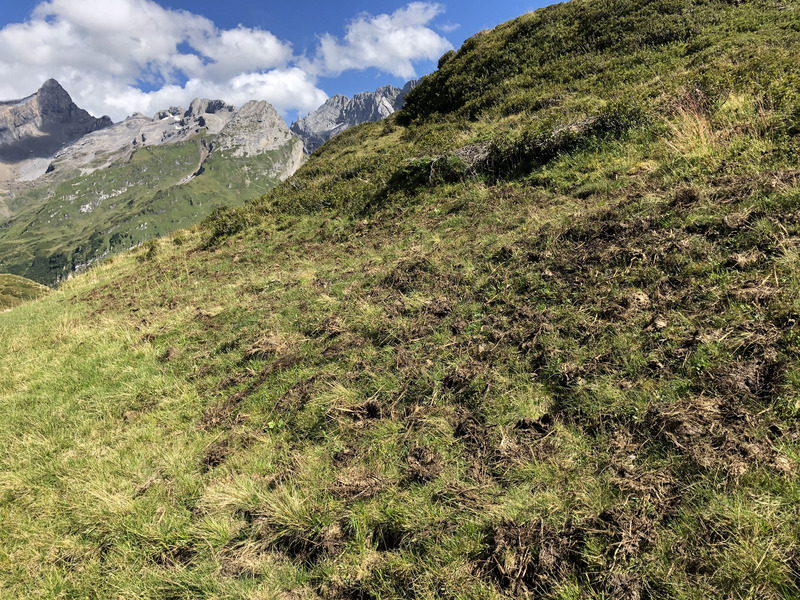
(543, 142)
(224, 222)
(427, 172)
(151, 251)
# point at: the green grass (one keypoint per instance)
(15, 290)
(449, 358)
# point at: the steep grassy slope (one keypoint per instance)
(477, 351)
(15, 290)
(91, 216)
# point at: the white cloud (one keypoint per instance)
(106, 52)
(390, 43)
(286, 89)
(449, 27)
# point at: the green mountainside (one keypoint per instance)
(15, 290)
(534, 336)
(56, 231)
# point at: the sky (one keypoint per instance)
(118, 57)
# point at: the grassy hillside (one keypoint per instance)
(110, 210)
(15, 290)
(537, 344)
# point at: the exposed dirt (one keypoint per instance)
(531, 438)
(533, 557)
(358, 416)
(479, 451)
(343, 344)
(175, 556)
(216, 454)
(716, 434)
(466, 381)
(169, 354)
(534, 429)
(656, 488)
(332, 538)
(219, 451)
(296, 397)
(345, 456)
(357, 483)
(630, 532)
(622, 585)
(424, 463)
(371, 409)
(753, 379)
(301, 547)
(388, 537)
(221, 413)
(298, 547)
(410, 274)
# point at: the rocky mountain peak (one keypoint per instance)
(204, 106)
(256, 128)
(172, 111)
(53, 94)
(41, 124)
(339, 113)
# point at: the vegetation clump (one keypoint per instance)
(224, 222)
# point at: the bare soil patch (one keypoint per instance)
(424, 463)
(532, 558)
(716, 434)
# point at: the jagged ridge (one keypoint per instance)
(41, 124)
(339, 113)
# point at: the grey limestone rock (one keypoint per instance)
(41, 124)
(339, 113)
(172, 111)
(256, 128)
(86, 144)
(204, 106)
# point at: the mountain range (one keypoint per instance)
(74, 188)
(339, 113)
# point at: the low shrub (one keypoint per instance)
(224, 222)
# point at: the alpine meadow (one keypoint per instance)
(535, 335)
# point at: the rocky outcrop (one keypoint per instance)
(212, 115)
(170, 126)
(41, 124)
(339, 113)
(256, 128)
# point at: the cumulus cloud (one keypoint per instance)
(117, 57)
(390, 43)
(288, 90)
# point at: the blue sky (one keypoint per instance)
(117, 57)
